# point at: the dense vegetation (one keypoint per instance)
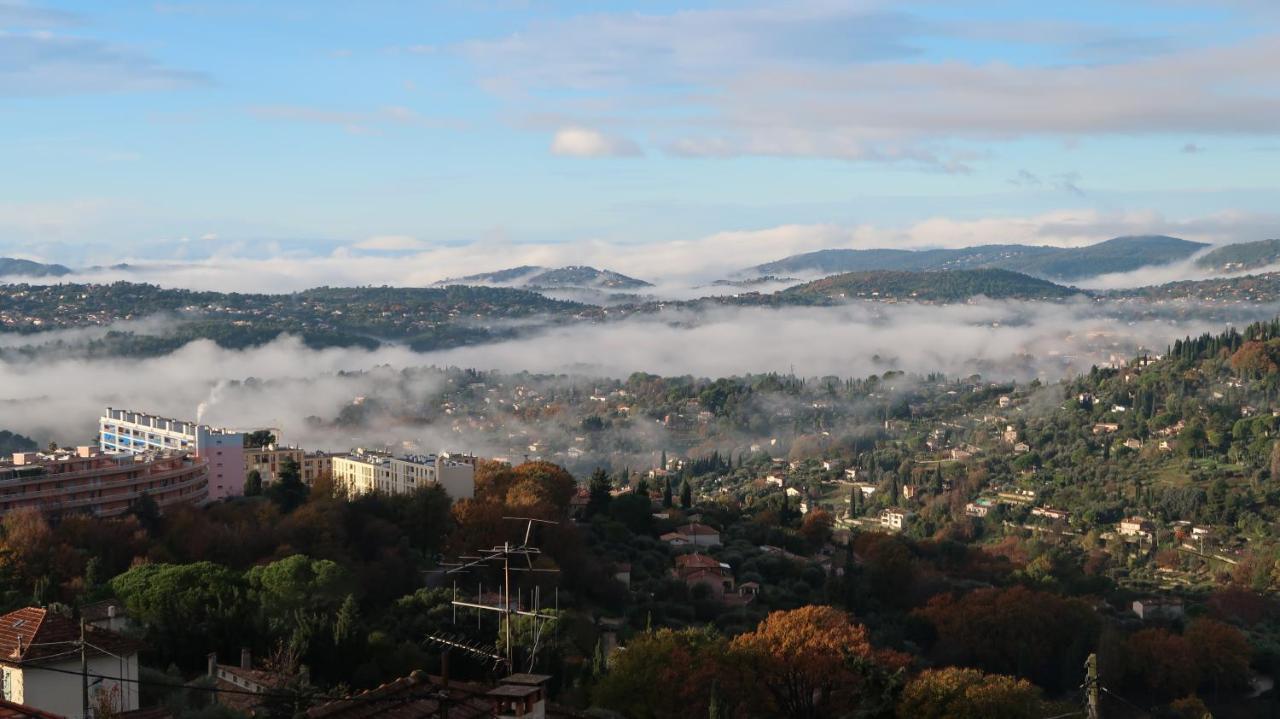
(1241, 256)
(1120, 254)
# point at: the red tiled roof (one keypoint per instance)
(13, 710)
(33, 634)
(411, 697)
(692, 561)
(696, 528)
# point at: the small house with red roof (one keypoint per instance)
(40, 661)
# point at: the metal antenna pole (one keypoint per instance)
(84, 671)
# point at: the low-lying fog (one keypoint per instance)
(58, 396)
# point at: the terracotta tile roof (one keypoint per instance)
(694, 561)
(413, 697)
(13, 710)
(32, 634)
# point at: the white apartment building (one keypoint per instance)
(123, 431)
(365, 471)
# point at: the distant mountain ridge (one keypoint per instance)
(1241, 256)
(535, 277)
(1120, 254)
(14, 267)
(931, 286)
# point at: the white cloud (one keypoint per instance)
(585, 142)
(848, 81)
(674, 264)
(390, 243)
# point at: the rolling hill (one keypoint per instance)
(534, 277)
(936, 286)
(1241, 256)
(1120, 254)
(14, 267)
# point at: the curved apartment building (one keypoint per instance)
(89, 481)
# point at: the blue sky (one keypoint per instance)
(136, 130)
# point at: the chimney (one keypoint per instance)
(213, 664)
(246, 659)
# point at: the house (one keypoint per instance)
(961, 454)
(1105, 428)
(894, 519)
(108, 614)
(40, 659)
(1004, 401)
(420, 696)
(1021, 448)
(793, 492)
(866, 488)
(695, 569)
(774, 479)
(909, 491)
(1010, 434)
(1055, 515)
(697, 535)
(1158, 608)
(239, 686)
(1135, 527)
(1133, 443)
(851, 473)
(973, 509)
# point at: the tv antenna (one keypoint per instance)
(513, 558)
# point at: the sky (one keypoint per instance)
(415, 140)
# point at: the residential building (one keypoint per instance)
(1158, 608)
(40, 660)
(365, 471)
(973, 509)
(240, 686)
(698, 535)
(894, 519)
(87, 480)
(1056, 515)
(316, 465)
(1135, 527)
(123, 431)
(700, 569)
(420, 696)
(269, 459)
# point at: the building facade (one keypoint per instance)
(127, 432)
(87, 480)
(40, 663)
(364, 471)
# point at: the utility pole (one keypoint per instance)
(1091, 687)
(84, 672)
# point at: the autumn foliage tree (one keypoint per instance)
(663, 674)
(955, 693)
(1221, 652)
(1162, 662)
(813, 662)
(1035, 634)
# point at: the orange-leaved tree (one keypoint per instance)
(814, 662)
(955, 693)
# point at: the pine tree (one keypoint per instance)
(666, 494)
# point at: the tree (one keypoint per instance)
(185, 610)
(663, 674)
(814, 662)
(816, 527)
(599, 492)
(686, 495)
(146, 511)
(1221, 652)
(1163, 661)
(956, 693)
(288, 493)
(666, 493)
(253, 483)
